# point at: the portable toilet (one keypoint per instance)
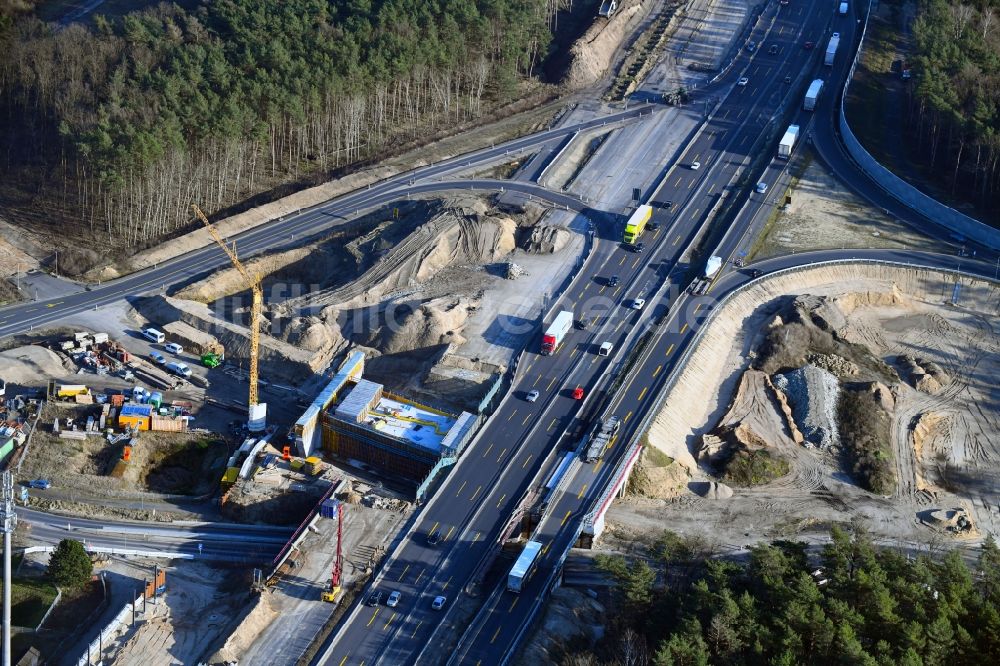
(156, 399)
(139, 395)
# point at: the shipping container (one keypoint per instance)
(135, 416)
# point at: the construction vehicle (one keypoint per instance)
(256, 410)
(330, 594)
(211, 360)
(603, 437)
(637, 223)
(556, 332)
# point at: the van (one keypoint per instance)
(153, 334)
(843, 9)
(179, 369)
(605, 349)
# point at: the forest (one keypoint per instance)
(848, 602)
(112, 129)
(953, 109)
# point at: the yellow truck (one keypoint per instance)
(637, 223)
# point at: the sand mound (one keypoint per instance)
(450, 238)
(228, 281)
(24, 365)
(849, 302)
(547, 238)
(435, 322)
(592, 54)
(928, 429)
(711, 489)
(923, 375)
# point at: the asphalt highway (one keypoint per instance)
(219, 541)
(478, 496)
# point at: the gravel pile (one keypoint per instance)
(813, 393)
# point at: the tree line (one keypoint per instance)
(121, 125)
(849, 603)
(953, 109)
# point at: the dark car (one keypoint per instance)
(809, 45)
(773, 50)
(434, 537)
(613, 281)
(668, 204)
(638, 247)
(375, 598)
(654, 226)
(755, 273)
(41, 484)
(580, 324)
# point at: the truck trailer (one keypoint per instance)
(637, 223)
(788, 141)
(815, 88)
(523, 567)
(556, 332)
(831, 49)
(603, 437)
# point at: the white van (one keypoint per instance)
(605, 349)
(179, 369)
(153, 334)
(843, 9)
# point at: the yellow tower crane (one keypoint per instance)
(256, 410)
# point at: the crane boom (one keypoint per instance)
(257, 304)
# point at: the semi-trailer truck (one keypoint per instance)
(523, 567)
(815, 88)
(788, 141)
(637, 223)
(556, 332)
(831, 49)
(603, 437)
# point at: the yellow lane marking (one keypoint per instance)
(475, 494)
(553, 424)
(413, 635)
(526, 419)
(52, 305)
(500, 457)
(627, 417)
(405, 569)
(619, 263)
(502, 498)
(697, 210)
(419, 576)
(512, 414)
(657, 371)
(450, 530)
(636, 262)
(573, 353)
(462, 487)
(697, 307)
(565, 518)
(476, 538)
(691, 184)
(488, 450)
(684, 327)
(388, 622)
(537, 379)
(374, 615)
(527, 460)
(435, 526)
(545, 548)
(550, 384)
(512, 604)
(643, 393)
(678, 181)
(582, 491)
(446, 584)
(598, 465)
(669, 349)
(497, 633)
(677, 240)
(342, 661)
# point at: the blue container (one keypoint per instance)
(328, 509)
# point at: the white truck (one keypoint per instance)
(815, 88)
(556, 332)
(843, 9)
(788, 141)
(523, 567)
(831, 49)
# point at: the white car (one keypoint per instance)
(637, 303)
(532, 396)
(158, 358)
(393, 599)
(743, 81)
(439, 602)
(762, 188)
(695, 166)
(173, 348)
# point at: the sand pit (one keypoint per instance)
(943, 444)
(24, 365)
